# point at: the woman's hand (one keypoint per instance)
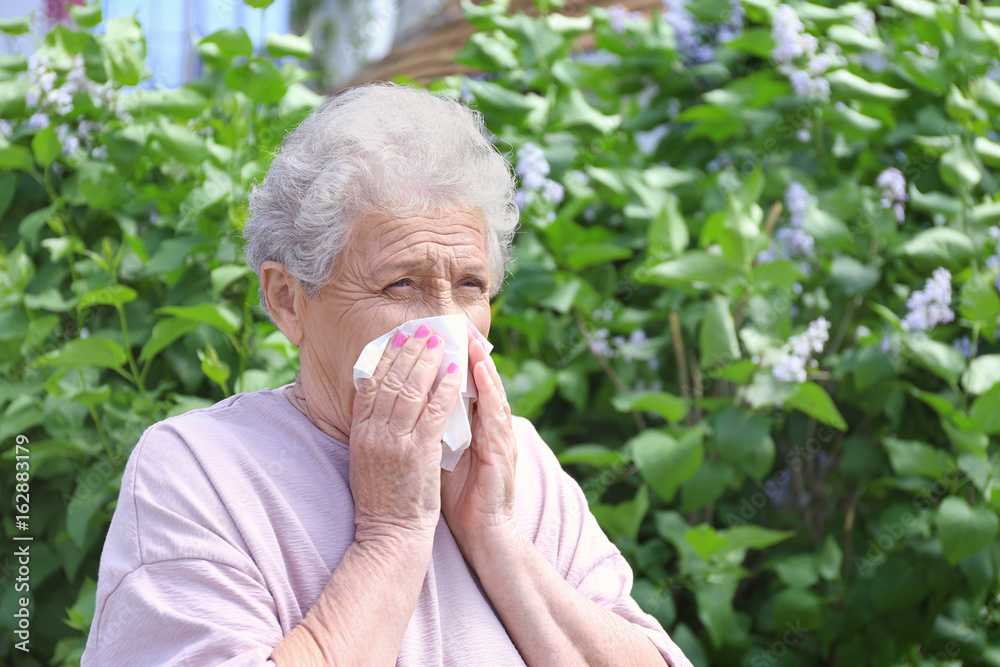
(477, 497)
(396, 439)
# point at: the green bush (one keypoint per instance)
(731, 310)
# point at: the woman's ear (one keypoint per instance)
(285, 298)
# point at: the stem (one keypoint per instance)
(136, 377)
(848, 533)
(682, 370)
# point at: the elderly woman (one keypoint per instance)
(313, 524)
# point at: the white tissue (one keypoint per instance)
(453, 329)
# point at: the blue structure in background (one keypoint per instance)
(173, 28)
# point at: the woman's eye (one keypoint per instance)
(473, 282)
(401, 283)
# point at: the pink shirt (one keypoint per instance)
(232, 518)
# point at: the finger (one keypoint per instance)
(477, 353)
(415, 392)
(395, 377)
(430, 427)
(492, 403)
(364, 399)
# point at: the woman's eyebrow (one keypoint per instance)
(402, 267)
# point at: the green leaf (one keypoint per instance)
(958, 167)
(112, 295)
(79, 352)
(258, 79)
(852, 276)
(964, 531)
(259, 4)
(17, 157)
(577, 111)
(666, 462)
(939, 246)
(164, 333)
(623, 519)
(910, 458)
(988, 151)
(224, 276)
(88, 497)
(181, 143)
(531, 388)
(983, 374)
(667, 230)
(213, 315)
(689, 268)
(86, 16)
(589, 254)
(813, 400)
(126, 49)
(986, 411)
(847, 86)
(46, 146)
(798, 608)
(719, 344)
(670, 407)
(16, 26)
(215, 369)
(279, 46)
(232, 42)
(943, 360)
(715, 606)
(705, 540)
(744, 441)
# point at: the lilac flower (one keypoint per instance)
(552, 191)
(39, 121)
(603, 314)
(862, 331)
(100, 153)
(894, 196)
(876, 61)
(599, 344)
(796, 355)
(931, 305)
(792, 241)
(963, 345)
(792, 44)
(532, 166)
(619, 15)
(696, 41)
(6, 129)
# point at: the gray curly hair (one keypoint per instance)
(384, 149)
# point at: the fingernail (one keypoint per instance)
(433, 342)
(422, 332)
(452, 367)
(399, 339)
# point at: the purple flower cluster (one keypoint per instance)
(619, 16)
(534, 169)
(797, 354)
(696, 41)
(930, 306)
(792, 241)
(793, 46)
(894, 195)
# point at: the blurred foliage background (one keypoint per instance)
(753, 308)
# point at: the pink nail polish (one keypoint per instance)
(422, 332)
(433, 342)
(452, 367)
(399, 339)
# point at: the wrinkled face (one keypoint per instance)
(393, 271)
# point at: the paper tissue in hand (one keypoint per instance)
(453, 329)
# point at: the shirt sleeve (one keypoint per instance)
(176, 585)
(187, 612)
(566, 532)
